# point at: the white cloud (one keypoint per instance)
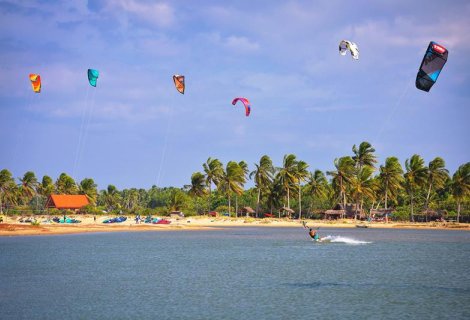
(242, 44)
(235, 44)
(159, 14)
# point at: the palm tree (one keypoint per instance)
(316, 184)
(263, 177)
(66, 185)
(198, 185)
(28, 186)
(437, 175)
(301, 174)
(88, 187)
(7, 189)
(364, 155)
(286, 174)
(362, 186)
(275, 193)
(244, 166)
(111, 197)
(342, 176)
(214, 172)
(46, 188)
(415, 177)
(176, 201)
(232, 181)
(130, 198)
(391, 178)
(460, 185)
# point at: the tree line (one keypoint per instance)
(355, 179)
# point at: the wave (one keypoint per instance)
(340, 239)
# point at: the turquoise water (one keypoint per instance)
(237, 273)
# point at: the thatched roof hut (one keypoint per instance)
(247, 211)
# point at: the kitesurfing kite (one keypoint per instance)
(432, 64)
(346, 45)
(245, 102)
(35, 82)
(93, 76)
(179, 83)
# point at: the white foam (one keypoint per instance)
(339, 239)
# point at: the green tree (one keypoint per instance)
(214, 171)
(301, 174)
(198, 185)
(263, 177)
(232, 181)
(88, 187)
(66, 185)
(460, 185)
(364, 155)
(437, 175)
(28, 187)
(8, 190)
(130, 198)
(361, 186)
(391, 178)
(342, 176)
(317, 185)
(111, 198)
(286, 175)
(415, 177)
(46, 188)
(275, 194)
(244, 166)
(177, 200)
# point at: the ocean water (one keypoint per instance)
(237, 273)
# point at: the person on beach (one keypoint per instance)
(313, 234)
(94, 219)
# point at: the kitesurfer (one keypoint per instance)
(313, 234)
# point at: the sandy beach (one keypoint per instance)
(12, 226)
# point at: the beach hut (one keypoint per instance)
(340, 211)
(287, 212)
(247, 211)
(67, 201)
(381, 214)
(334, 214)
(176, 215)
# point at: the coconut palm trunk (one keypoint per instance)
(300, 202)
(386, 194)
(412, 214)
(236, 206)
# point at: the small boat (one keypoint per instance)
(163, 221)
(115, 220)
(362, 226)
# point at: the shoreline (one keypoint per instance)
(16, 228)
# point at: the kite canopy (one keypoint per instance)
(346, 45)
(245, 102)
(431, 66)
(35, 82)
(93, 76)
(179, 83)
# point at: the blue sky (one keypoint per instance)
(135, 130)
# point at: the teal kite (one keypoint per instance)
(93, 76)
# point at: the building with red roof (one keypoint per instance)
(67, 201)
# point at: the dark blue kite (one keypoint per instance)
(433, 62)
